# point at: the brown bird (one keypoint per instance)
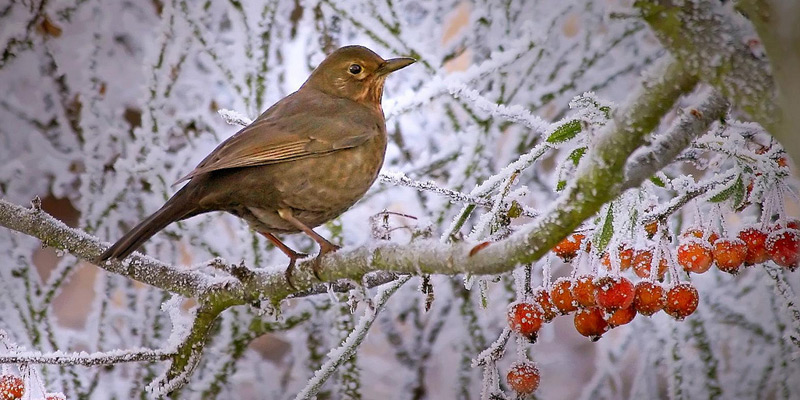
(301, 163)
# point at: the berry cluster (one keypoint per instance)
(13, 388)
(604, 300)
(698, 250)
(599, 304)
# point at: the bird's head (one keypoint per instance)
(356, 73)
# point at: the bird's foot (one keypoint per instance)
(324, 248)
(290, 268)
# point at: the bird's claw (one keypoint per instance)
(323, 250)
(290, 268)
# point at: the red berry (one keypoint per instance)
(624, 254)
(561, 296)
(700, 233)
(542, 298)
(525, 319)
(642, 261)
(782, 247)
(695, 255)
(649, 298)
(756, 241)
(729, 254)
(584, 291)
(590, 323)
(682, 300)
(621, 316)
(568, 248)
(11, 387)
(523, 377)
(55, 396)
(614, 293)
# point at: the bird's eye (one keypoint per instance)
(355, 69)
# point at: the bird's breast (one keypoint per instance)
(323, 187)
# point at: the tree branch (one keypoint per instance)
(347, 349)
(86, 359)
(54, 233)
(694, 122)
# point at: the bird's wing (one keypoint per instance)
(293, 129)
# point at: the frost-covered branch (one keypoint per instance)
(694, 122)
(86, 359)
(688, 195)
(400, 179)
(785, 292)
(340, 354)
(56, 234)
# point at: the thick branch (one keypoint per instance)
(188, 353)
(694, 122)
(54, 233)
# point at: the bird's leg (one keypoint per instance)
(325, 246)
(293, 255)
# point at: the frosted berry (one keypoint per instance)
(682, 300)
(649, 298)
(782, 247)
(620, 316)
(614, 292)
(643, 260)
(729, 254)
(55, 396)
(11, 387)
(561, 296)
(624, 255)
(525, 319)
(568, 248)
(756, 241)
(695, 255)
(700, 233)
(590, 323)
(523, 377)
(542, 298)
(584, 291)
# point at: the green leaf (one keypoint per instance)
(515, 210)
(565, 132)
(657, 181)
(739, 192)
(726, 194)
(561, 185)
(576, 155)
(603, 237)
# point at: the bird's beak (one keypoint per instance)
(394, 64)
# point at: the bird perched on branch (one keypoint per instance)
(301, 163)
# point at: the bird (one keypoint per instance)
(303, 162)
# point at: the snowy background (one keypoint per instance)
(105, 104)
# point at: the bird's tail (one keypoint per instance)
(176, 208)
